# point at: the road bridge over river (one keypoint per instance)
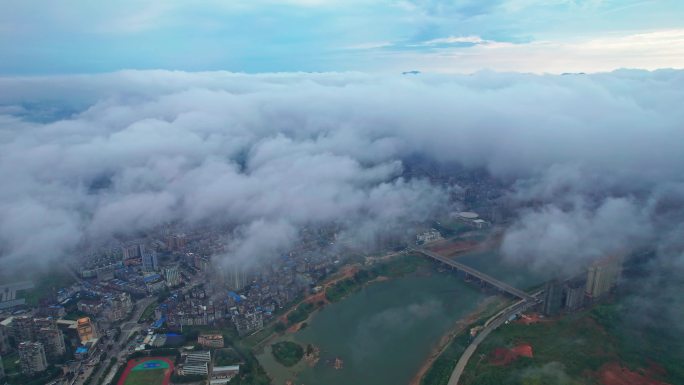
(469, 271)
(526, 302)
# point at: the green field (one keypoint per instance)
(576, 344)
(148, 313)
(11, 363)
(146, 377)
(300, 313)
(149, 372)
(569, 351)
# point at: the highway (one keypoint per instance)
(496, 321)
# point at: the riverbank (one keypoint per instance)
(406, 314)
(460, 326)
(271, 332)
(381, 267)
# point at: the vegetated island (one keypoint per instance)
(287, 353)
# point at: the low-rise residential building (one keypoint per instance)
(90, 306)
(117, 306)
(221, 375)
(86, 330)
(54, 311)
(248, 323)
(211, 340)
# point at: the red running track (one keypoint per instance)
(134, 362)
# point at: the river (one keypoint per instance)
(385, 331)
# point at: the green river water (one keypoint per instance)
(385, 331)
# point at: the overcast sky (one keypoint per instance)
(48, 37)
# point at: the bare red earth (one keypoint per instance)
(503, 356)
(528, 319)
(450, 248)
(616, 374)
(523, 350)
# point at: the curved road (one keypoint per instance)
(491, 325)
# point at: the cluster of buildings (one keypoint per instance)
(135, 267)
(602, 277)
(243, 297)
(193, 308)
(112, 278)
(428, 236)
(112, 307)
(197, 308)
(42, 337)
(37, 340)
(273, 287)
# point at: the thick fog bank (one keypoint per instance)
(85, 158)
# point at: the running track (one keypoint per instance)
(134, 362)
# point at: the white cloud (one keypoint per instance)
(646, 50)
(457, 39)
(280, 151)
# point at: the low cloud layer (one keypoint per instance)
(85, 158)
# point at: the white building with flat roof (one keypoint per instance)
(196, 363)
(194, 368)
(201, 356)
(472, 218)
(221, 375)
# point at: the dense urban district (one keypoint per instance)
(164, 309)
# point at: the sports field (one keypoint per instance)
(147, 371)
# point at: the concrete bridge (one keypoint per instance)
(469, 271)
